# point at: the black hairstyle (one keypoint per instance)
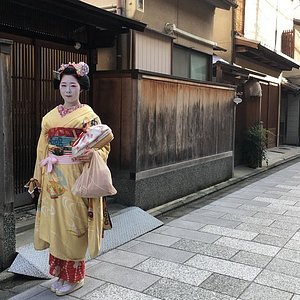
(83, 81)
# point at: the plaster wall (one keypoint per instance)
(193, 16)
(266, 19)
(222, 32)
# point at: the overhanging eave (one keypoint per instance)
(254, 51)
(223, 4)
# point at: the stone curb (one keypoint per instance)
(160, 210)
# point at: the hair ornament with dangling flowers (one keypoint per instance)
(78, 70)
(81, 68)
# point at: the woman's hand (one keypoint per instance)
(85, 157)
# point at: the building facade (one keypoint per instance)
(173, 126)
(254, 46)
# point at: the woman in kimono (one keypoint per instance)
(62, 221)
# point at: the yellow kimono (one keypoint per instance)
(62, 222)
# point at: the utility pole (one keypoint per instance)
(7, 217)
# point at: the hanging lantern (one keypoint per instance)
(253, 88)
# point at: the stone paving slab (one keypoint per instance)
(296, 236)
(292, 212)
(284, 267)
(179, 272)
(271, 240)
(173, 290)
(283, 207)
(158, 239)
(289, 187)
(29, 294)
(244, 201)
(162, 252)
(288, 254)
(292, 244)
(237, 211)
(115, 292)
(205, 249)
(244, 194)
(122, 258)
(234, 233)
(261, 292)
(267, 209)
(275, 217)
(191, 235)
(276, 201)
(122, 276)
(210, 220)
(286, 225)
(224, 267)
(279, 281)
(248, 246)
(250, 220)
(266, 230)
(186, 224)
(206, 213)
(225, 284)
(251, 259)
(230, 204)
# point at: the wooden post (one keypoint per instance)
(7, 217)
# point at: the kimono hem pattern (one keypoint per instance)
(62, 222)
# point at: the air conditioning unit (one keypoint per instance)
(134, 9)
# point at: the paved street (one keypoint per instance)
(238, 244)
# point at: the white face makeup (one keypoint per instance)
(69, 89)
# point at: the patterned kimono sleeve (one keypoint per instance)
(104, 151)
(41, 153)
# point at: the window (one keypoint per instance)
(191, 64)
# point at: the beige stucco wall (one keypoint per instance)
(222, 33)
(193, 16)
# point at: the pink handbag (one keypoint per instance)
(95, 136)
(95, 180)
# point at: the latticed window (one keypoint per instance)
(288, 42)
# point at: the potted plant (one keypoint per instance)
(255, 146)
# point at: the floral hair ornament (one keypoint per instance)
(82, 69)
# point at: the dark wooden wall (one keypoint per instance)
(270, 111)
(158, 121)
